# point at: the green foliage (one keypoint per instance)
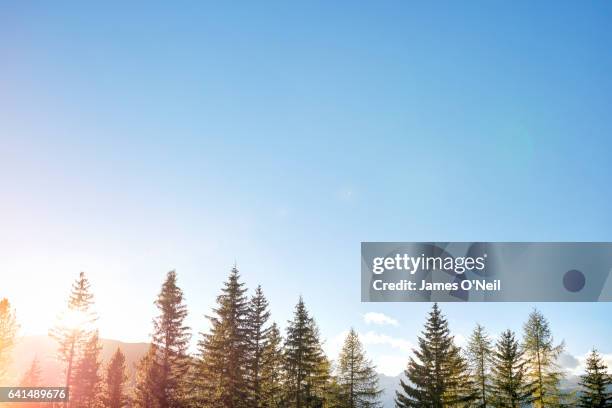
(356, 376)
(257, 332)
(165, 385)
(438, 376)
(541, 355)
(306, 368)
(272, 374)
(221, 375)
(479, 358)
(596, 383)
(509, 382)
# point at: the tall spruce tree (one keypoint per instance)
(224, 352)
(438, 375)
(8, 333)
(305, 363)
(541, 354)
(74, 326)
(595, 383)
(115, 382)
(479, 357)
(257, 331)
(146, 373)
(86, 389)
(170, 339)
(356, 376)
(508, 373)
(272, 375)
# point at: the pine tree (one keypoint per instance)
(272, 369)
(168, 358)
(509, 383)
(31, 378)
(8, 333)
(438, 375)
(595, 383)
(146, 373)
(305, 363)
(356, 376)
(460, 388)
(115, 382)
(257, 332)
(75, 325)
(222, 371)
(541, 355)
(86, 388)
(479, 357)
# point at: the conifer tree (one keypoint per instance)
(8, 333)
(257, 317)
(272, 376)
(168, 354)
(356, 376)
(438, 375)
(75, 325)
(541, 355)
(115, 382)
(146, 373)
(479, 357)
(305, 363)
(31, 378)
(86, 388)
(222, 371)
(596, 383)
(509, 383)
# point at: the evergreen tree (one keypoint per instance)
(541, 355)
(115, 382)
(75, 325)
(596, 383)
(8, 333)
(508, 381)
(356, 376)
(31, 378)
(272, 369)
(146, 373)
(168, 357)
(257, 332)
(86, 388)
(438, 375)
(479, 357)
(224, 352)
(305, 363)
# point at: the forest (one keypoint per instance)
(245, 361)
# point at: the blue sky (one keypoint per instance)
(141, 138)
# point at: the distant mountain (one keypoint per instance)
(45, 349)
(389, 385)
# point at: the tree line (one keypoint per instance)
(244, 361)
(507, 373)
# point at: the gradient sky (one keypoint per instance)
(139, 138)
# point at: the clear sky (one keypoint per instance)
(138, 138)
